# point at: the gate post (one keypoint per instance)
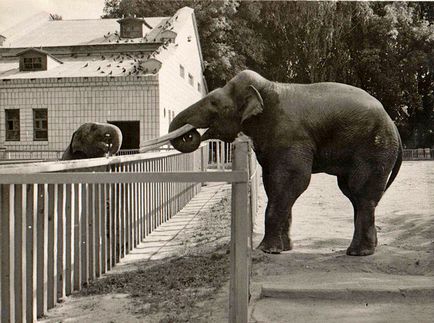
(240, 239)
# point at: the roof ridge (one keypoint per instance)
(99, 19)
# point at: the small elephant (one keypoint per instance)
(93, 140)
(297, 130)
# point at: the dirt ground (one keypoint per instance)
(322, 228)
(194, 286)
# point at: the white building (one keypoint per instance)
(137, 73)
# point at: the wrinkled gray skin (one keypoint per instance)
(93, 140)
(298, 130)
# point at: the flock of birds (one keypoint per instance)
(131, 64)
(125, 63)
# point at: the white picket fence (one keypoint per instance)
(418, 154)
(219, 154)
(65, 223)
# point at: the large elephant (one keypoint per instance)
(93, 140)
(297, 130)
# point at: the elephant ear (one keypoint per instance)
(73, 145)
(253, 105)
(79, 138)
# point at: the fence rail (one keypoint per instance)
(59, 230)
(40, 154)
(418, 154)
(65, 223)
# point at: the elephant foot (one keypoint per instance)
(365, 245)
(286, 242)
(360, 250)
(275, 245)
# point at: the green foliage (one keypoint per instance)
(386, 48)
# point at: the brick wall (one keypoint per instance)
(73, 101)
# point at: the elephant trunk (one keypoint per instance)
(191, 140)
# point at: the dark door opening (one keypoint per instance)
(130, 133)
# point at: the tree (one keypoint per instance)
(386, 48)
(391, 56)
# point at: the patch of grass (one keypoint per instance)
(172, 287)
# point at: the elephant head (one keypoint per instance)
(222, 111)
(93, 140)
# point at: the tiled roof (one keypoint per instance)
(101, 65)
(74, 32)
(78, 44)
(27, 25)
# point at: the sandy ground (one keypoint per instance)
(323, 226)
(322, 230)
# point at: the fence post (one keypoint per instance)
(7, 252)
(240, 240)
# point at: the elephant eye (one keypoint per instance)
(107, 137)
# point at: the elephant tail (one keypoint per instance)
(397, 165)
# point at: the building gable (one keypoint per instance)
(33, 59)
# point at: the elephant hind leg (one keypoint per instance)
(365, 234)
(364, 191)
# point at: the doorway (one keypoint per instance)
(130, 133)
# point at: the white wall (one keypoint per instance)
(176, 93)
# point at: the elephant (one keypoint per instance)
(298, 130)
(93, 140)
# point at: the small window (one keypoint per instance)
(190, 79)
(40, 124)
(199, 88)
(32, 63)
(181, 71)
(12, 118)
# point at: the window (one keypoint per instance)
(40, 124)
(199, 88)
(32, 63)
(181, 71)
(190, 79)
(12, 118)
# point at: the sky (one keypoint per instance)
(15, 11)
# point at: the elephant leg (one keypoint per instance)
(343, 185)
(364, 190)
(365, 234)
(283, 185)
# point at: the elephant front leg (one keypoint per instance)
(283, 187)
(277, 225)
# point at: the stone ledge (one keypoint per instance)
(350, 286)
